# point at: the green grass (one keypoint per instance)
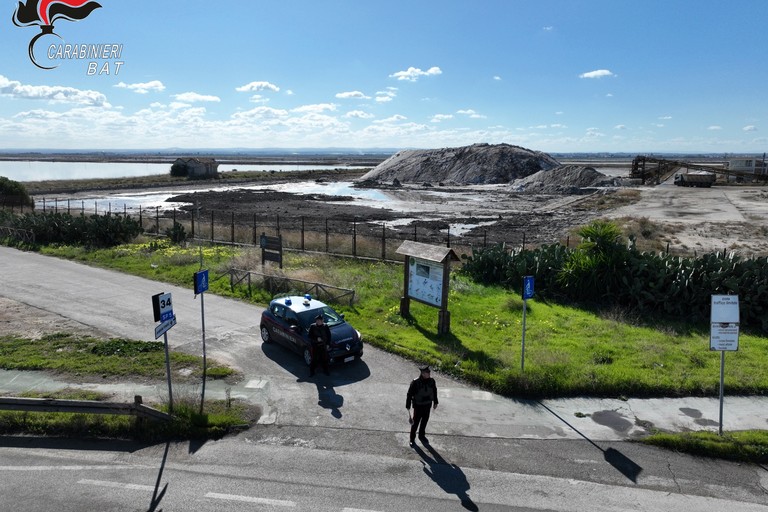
(219, 417)
(744, 446)
(83, 356)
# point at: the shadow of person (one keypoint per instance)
(327, 398)
(448, 476)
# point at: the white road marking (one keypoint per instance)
(117, 485)
(481, 395)
(256, 384)
(357, 510)
(250, 499)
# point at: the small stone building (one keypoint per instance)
(199, 168)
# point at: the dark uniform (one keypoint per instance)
(320, 337)
(422, 394)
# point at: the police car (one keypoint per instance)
(287, 322)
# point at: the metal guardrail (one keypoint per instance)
(137, 408)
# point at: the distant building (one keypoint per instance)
(199, 168)
(748, 165)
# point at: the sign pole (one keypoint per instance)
(168, 373)
(527, 294)
(201, 285)
(522, 353)
(722, 386)
(205, 364)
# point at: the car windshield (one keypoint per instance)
(330, 317)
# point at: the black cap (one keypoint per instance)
(424, 368)
(319, 317)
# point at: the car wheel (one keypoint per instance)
(265, 335)
(308, 356)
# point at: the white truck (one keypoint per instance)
(695, 179)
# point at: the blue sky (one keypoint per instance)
(549, 75)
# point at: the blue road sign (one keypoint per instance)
(527, 287)
(201, 281)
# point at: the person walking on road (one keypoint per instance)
(422, 394)
(320, 337)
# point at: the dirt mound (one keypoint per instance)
(468, 165)
(565, 179)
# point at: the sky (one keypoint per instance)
(650, 76)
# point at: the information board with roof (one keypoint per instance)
(426, 278)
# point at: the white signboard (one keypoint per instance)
(163, 327)
(425, 281)
(724, 337)
(725, 309)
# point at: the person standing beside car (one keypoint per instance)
(422, 394)
(320, 338)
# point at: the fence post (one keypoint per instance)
(326, 235)
(523, 241)
(383, 241)
(302, 232)
(95, 207)
(174, 217)
(254, 229)
(232, 232)
(157, 219)
(354, 237)
(82, 208)
(414, 232)
(193, 222)
(278, 225)
(68, 212)
(211, 225)
(43, 205)
(56, 205)
(448, 239)
(141, 223)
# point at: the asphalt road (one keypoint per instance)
(340, 442)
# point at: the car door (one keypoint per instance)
(278, 327)
(294, 331)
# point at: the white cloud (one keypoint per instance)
(358, 114)
(258, 98)
(609, 95)
(316, 108)
(352, 94)
(497, 78)
(52, 93)
(471, 113)
(714, 127)
(665, 118)
(598, 73)
(559, 113)
(750, 128)
(441, 117)
(261, 113)
(558, 126)
(412, 74)
(257, 87)
(192, 97)
(386, 95)
(620, 127)
(548, 28)
(143, 88)
(393, 119)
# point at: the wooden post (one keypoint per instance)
(232, 233)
